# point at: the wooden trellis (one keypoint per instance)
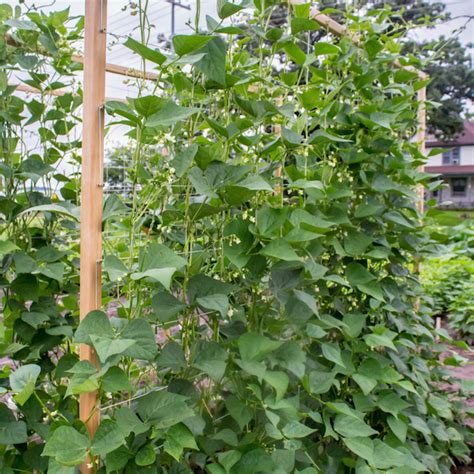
(95, 69)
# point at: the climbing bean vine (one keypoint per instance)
(261, 314)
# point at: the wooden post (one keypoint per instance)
(421, 139)
(92, 189)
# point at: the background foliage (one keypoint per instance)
(447, 274)
(259, 312)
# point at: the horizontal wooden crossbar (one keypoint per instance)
(57, 92)
(340, 30)
(109, 67)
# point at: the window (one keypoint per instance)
(459, 186)
(452, 156)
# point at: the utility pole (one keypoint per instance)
(174, 4)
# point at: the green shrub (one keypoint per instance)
(444, 279)
(461, 310)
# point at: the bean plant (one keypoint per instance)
(260, 309)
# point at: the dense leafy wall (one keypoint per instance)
(259, 307)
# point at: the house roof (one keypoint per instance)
(451, 170)
(465, 138)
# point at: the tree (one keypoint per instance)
(451, 86)
(448, 63)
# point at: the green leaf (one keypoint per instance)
(240, 412)
(140, 331)
(357, 274)
(254, 347)
(351, 427)
(115, 380)
(229, 459)
(54, 271)
(186, 44)
(356, 243)
(145, 52)
(53, 208)
(226, 8)
(385, 456)
(391, 403)
(56, 468)
(170, 114)
(295, 429)
(107, 438)
(172, 357)
(23, 263)
(213, 64)
(179, 437)
(332, 352)
(324, 137)
(256, 460)
(166, 306)
(215, 302)
(95, 323)
(164, 409)
(211, 358)
(254, 183)
(354, 323)
(281, 250)
(107, 347)
(23, 382)
(7, 247)
(114, 267)
(117, 460)
(303, 24)
(279, 381)
(67, 446)
(84, 379)
(295, 53)
(145, 456)
(21, 24)
(321, 48)
(147, 105)
(373, 47)
(129, 422)
(398, 427)
(367, 384)
(11, 430)
(159, 256)
(379, 340)
(308, 300)
(184, 158)
(161, 275)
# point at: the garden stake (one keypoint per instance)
(91, 191)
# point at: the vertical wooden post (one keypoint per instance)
(421, 138)
(91, 189)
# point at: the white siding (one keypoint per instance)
(467, 157)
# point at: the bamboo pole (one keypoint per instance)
(92, 190)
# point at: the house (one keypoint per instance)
(456, 166)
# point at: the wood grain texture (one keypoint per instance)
(91, 190)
